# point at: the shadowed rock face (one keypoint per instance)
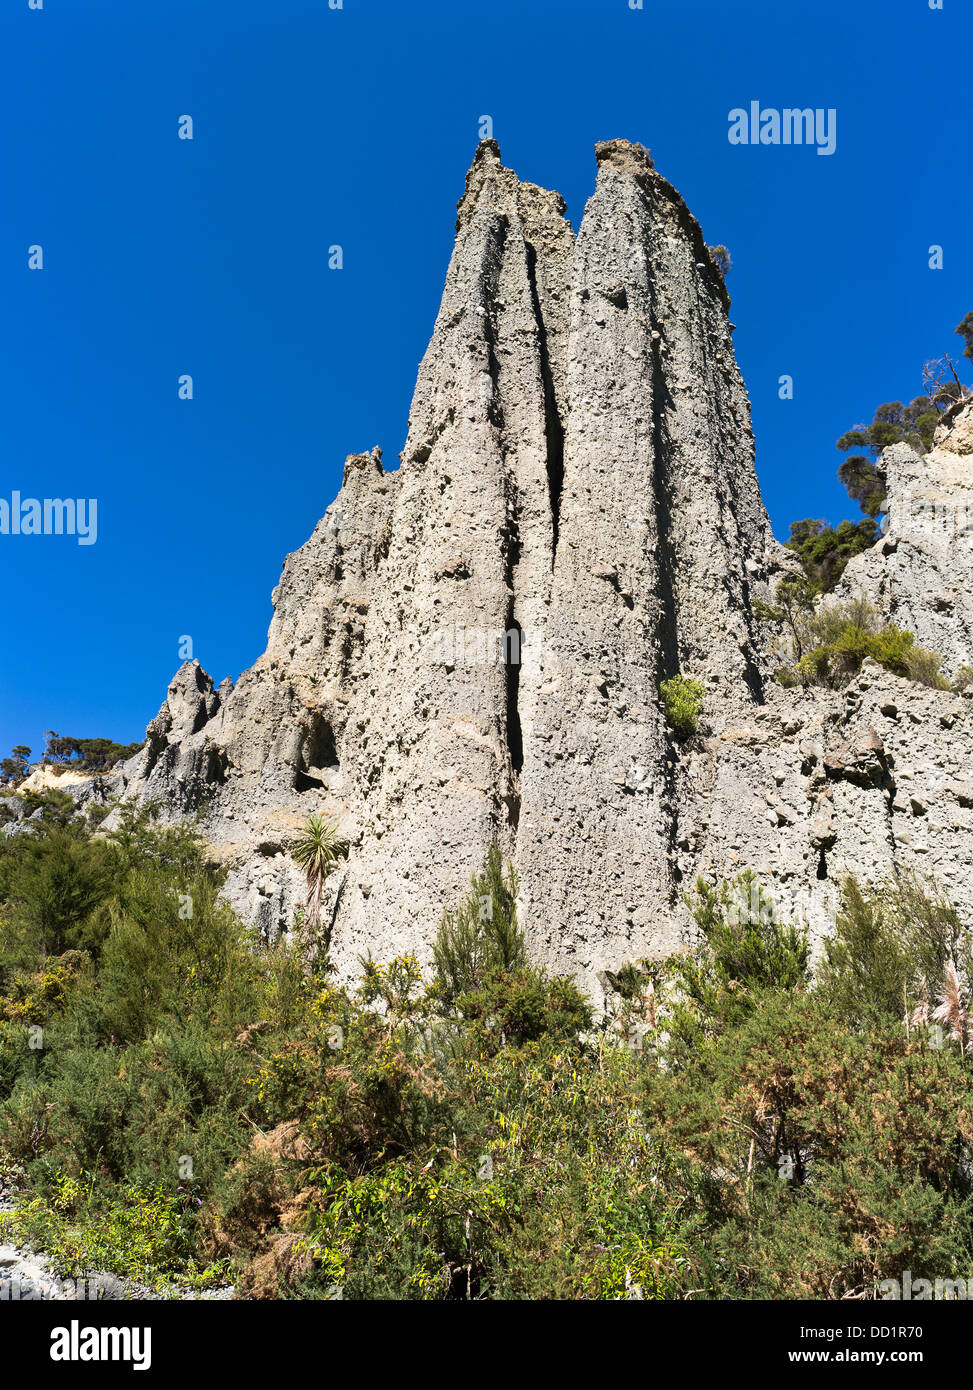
(470, 648)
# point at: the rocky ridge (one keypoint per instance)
(470, 647)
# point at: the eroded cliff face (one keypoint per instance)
(470, 648)
(919, 575)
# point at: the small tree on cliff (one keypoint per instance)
(913, 424)
(965, 330)
(317, 851)
(721, 258)
(14, 768)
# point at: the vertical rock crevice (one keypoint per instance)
(553, 425)
(668, 651)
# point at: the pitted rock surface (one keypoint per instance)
(578, 487)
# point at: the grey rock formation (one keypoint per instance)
(869, 781)
(470, 648)
(919, 575)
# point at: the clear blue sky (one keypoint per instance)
(355, 126)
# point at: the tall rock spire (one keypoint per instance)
(469, 562)
(661, 534)
(471, 648)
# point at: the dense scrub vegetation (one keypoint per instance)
(825, 550)
(181, 1103)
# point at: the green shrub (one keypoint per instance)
(682, 700)
(173, 951)
(140, 1234)
(822, 1159)
(481, 937)
(57, 881)
(890, 950)
(825, 550)
(745, 952)
(828, 645)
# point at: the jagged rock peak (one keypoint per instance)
(370, 462)
(490, 183)
(470, 648)
(626, 156)
(635, 161)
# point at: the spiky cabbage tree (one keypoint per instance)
(317, 851)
